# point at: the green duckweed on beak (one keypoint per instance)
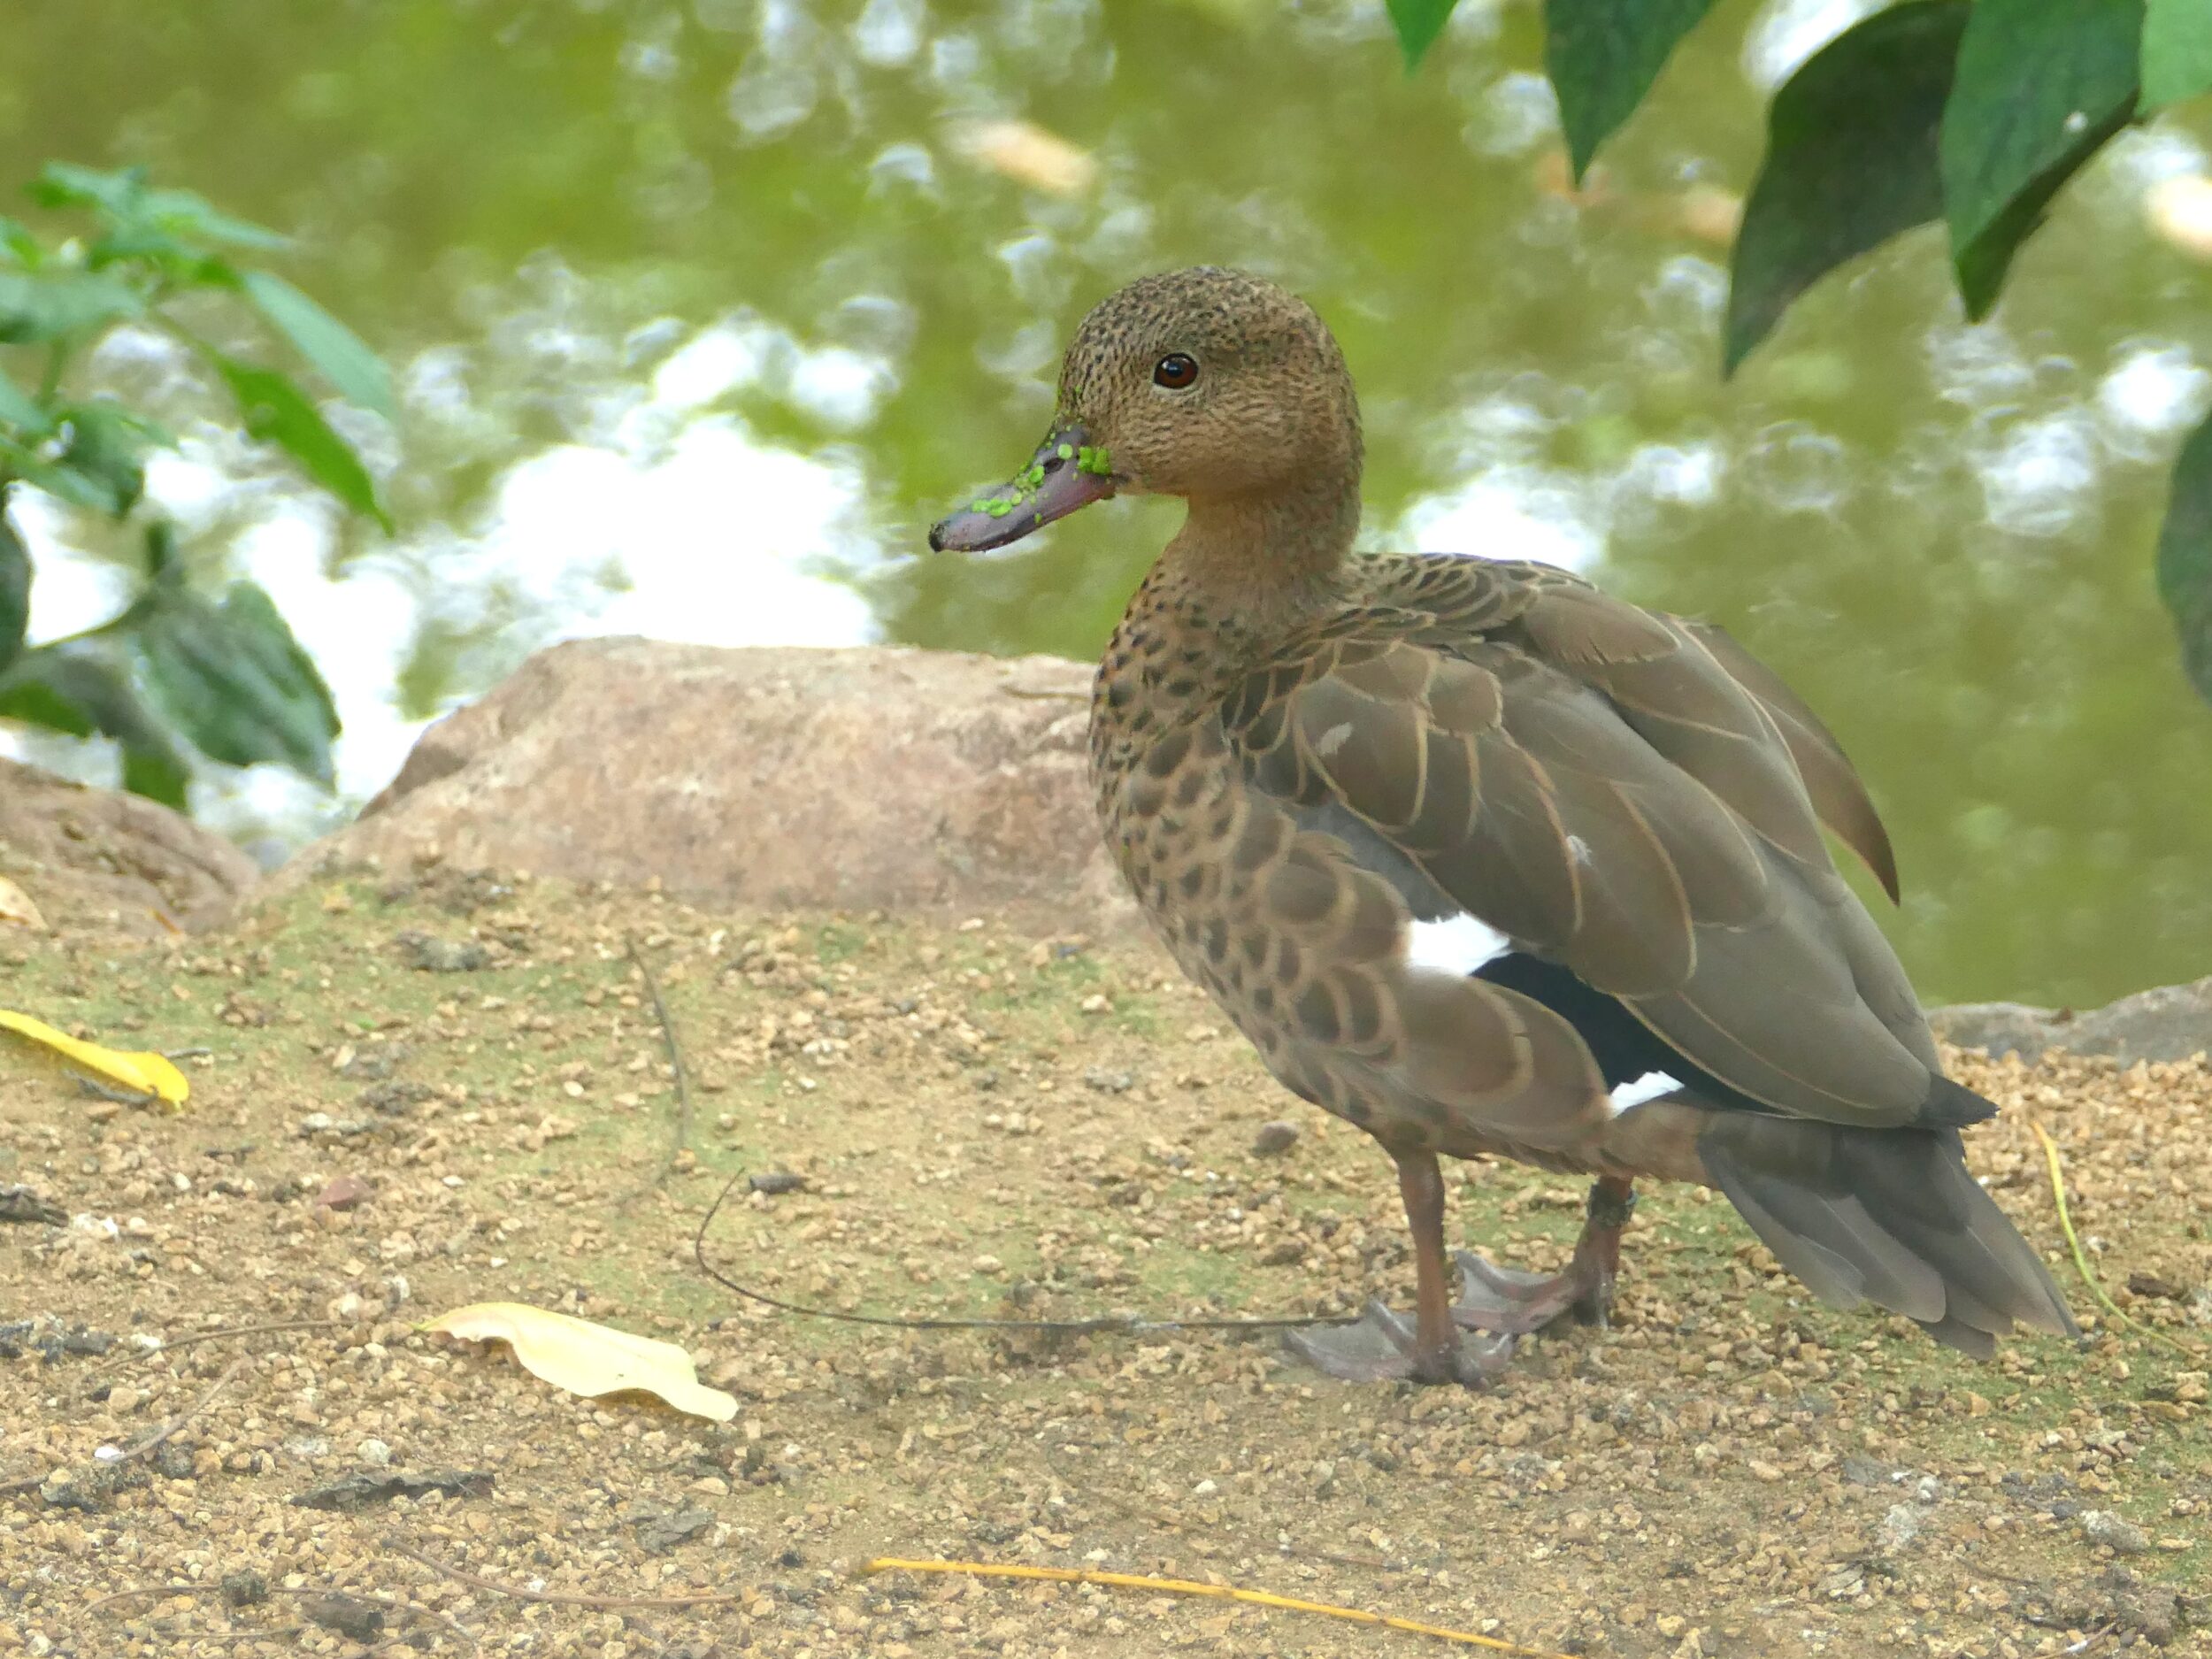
(1067, 471)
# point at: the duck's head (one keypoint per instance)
(1201, 383)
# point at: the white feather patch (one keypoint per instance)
(1650, 1086)
(1459, 944)
(1332, 740)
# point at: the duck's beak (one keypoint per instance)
(1067, 471)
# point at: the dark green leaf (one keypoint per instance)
(15, 589)
(2176, 51)
(185, 214)
(19, 411)
(1850, 161)
(18, 245)
(237, 682)
(106, 450)
(1418, 23)
(2040, 85)
(277, 411)
(1603, 56)
(124, 200)
(2184, 556)
(65, 184)
(66, 483)
(72, 691)
(324, 341)
(47, 304)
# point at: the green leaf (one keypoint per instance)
(2041, 84)
(105, 453)
(324, 341)
(1418, 23)
(2176, 51)
(18, 245)
(2184, 556)
(48, 304)
(15, 589)
(1850, 162)
(123, 199)
(237, 682)
(72, 691)
(65, 184)
(277, 411)
(19, 409)
(1602, 56)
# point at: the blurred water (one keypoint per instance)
(701, 311)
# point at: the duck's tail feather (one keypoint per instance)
(1887, 1216)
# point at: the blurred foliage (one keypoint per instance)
(1973, 111)
(228, 679)
(537, 211)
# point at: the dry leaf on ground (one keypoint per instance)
(16, 906)
(151, 1074)
(589, 1359)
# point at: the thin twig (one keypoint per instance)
(139, 1448)
(1216, 1592)
(166, 1346)
(97, 1090)
(302, 1592)
(492, 1586)
(2081, 1257)
(682, 1142)
(170, 1345)
(1118, 1324)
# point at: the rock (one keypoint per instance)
(344, 1192)
(1274, 1138)
(24, 1205)
(1900, 1528)
(661, 1531)
(98, 861)
(431, 955)
(2170, 1022)
(2122, 1537)
(365, 1488)
(846, 779)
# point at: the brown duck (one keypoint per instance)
(1485, 861)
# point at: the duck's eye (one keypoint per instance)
(1174, 371)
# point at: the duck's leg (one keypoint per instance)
(1380, 1346)
(1503, 1299)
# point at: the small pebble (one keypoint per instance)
(344, 1192)
(2121, 1536)
(1273, 1139)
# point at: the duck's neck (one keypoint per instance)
(1263, 561)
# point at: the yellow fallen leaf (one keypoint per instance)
(16, 906)
(589, 1359)
(151, 1074)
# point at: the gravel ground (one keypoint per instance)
(450, 1089)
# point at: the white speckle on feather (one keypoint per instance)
(1459, 944)
(1650, 1086)
(1579, 848)
(1332, 740)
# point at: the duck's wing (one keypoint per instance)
(1596, 784)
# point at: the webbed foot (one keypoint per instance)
(1383, 1347)
(1514, 1303)
(1510, 1301)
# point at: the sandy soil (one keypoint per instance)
(984, 1120)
